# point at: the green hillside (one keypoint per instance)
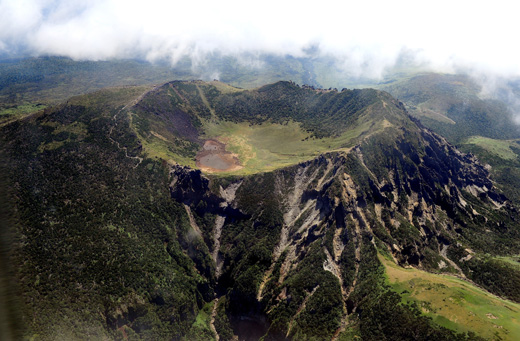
(192, 210)
(454, 106)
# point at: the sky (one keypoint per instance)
(368, 36)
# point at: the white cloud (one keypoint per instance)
(365, 36)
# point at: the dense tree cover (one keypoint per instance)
(98, 241)
(497, 276)
(323, 309)
(324, 113)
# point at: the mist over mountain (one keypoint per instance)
(274, 171)
(362, 38)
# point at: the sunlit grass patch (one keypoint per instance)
(498, 147)
(201, 330)
(8, 114)
(513, 260)
(456, 304)
(22, 109)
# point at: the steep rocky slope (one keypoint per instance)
(308, 232)
(116, 235)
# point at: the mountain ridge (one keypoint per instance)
(206, 112)
(291, 251)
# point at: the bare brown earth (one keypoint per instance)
(214, 158)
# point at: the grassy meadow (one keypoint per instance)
(456, 304)
(501, 148)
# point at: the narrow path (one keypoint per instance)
(206, 103)
(444, 254)
(114, 118)
(323, 179)
(293, 213)
(228, 195)
(337, 244)
(332, 266)
(357, 255)
(212, 320)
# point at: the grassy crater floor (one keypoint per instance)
(269, 146)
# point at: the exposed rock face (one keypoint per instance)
(409, 193)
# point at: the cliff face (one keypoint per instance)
(294, 247)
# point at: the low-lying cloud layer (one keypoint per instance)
(365, 37)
